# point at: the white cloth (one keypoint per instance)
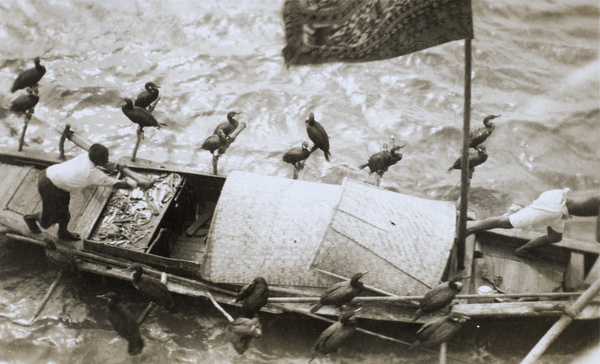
(549, 210)
(78, 173)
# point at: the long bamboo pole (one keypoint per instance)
(464, 173)
(570, 314)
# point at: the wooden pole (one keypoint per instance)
(218, 306)
(61, 143)
(140, 136)
(570, 314)
(223, 148)
(146, 313)
(45, 300)
(22, 137)
(443, 353)
(464, 172)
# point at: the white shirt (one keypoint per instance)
(78, 173)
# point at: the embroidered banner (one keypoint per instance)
(320, 31)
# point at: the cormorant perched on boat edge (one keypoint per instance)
(439, 297)
(25, 103)
(318, 135)
(477, 156)
(439, 330)
(139, 115)
(30, 77)
(230, 125)
(151, 287)
(253, 297)
(480, 134)
(381, 161)
(335, 335)
(297, 155)
(340, 293)
(148, 96)
(124, 323)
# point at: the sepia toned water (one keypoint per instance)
(536, 63)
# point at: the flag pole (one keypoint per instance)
(464, 175)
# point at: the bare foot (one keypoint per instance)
(32, 224)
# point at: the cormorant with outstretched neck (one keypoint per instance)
(139, 115)
(253, 297)
(151, 287)
(148, 96)
(381, 161)
(439, 297)
(480, 135)
(477, 156)
(230, 125)
(340, 293)
(29, 78)
(439, 330)
(297, 156)
(124, 323)
(318, 135)
(25, 103)
(241, 332)
(335, 335)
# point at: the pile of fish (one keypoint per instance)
(128, 213)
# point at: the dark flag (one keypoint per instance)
(320, 31)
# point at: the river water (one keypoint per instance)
(535, 63)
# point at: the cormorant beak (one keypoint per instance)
(157, 86)
(103, 296)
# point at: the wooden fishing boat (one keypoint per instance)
(215, 234)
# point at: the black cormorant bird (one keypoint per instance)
(230, 125)
(439, 330)
(381, 161)
(25, 103)
(335, 335)
(29, 78)
(479, 135)
(124, 323)
(477, 156)
(151, 287)
(439, 297)
(139, 115)
(318, 135)
(214, 142)
(340, 293)
(241, 332)
(253, 297)
(297, 155)
(148, 96)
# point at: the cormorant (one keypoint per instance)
(151, 287)
(148, 96)
(241, 332)
(334, 336)
(253, 297)
(340, 293)
(439, 330)
(25, 103)
(318, 135)
(30, 77)
(214, 142)
(381, 161)
(477, 156)
(479, 135)
(139, 115)
(439, 297)
(60, 257)
(230, 125)
(124, 323)
(297, 155)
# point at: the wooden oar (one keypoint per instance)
(43, 303)
(146, 313)
(216, 304)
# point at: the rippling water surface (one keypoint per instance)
(535, 63)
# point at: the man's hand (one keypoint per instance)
(146, 183)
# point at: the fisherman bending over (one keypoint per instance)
(551, 210)
(56, 183)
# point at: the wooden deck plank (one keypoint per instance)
(574, 276)
(79, 201)
(92, 212)
(566, 243)
(26, 197)
(12, 178)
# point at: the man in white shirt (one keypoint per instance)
(56, 183)
(550, 210)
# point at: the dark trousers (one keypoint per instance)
(55, 204)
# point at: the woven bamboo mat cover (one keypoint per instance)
(270, 227)
(402, 241)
